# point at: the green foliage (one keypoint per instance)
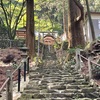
(48, 14)
(2, 27)
(70, 55)
(65, 45)
(12, 12)
(57, 46)
(94, 5)
(47, 18)
(71, 51)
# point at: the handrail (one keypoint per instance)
(95, 63)
(2, 87)
(9, 78)
(89, 63)
(17, 68)
(83, 57)
(20, 65)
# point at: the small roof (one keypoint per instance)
(22, 29)
(92, 13)
(48, 40)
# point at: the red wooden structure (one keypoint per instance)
(21, 34)
(49, 40)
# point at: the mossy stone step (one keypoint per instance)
(35, 76)
(58, 87)
(50, 95)
(82, 99)
(57, 83)
(88, 90)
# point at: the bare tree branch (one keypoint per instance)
(16, 21)
(14, 9)
(5, 12)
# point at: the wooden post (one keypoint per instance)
(89, 68)
(38, 46)
(25, 70)
(19, 78)
(9, 86)
(80, 61)
(28, 65)
(10, 42)
(77, 59)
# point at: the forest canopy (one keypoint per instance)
(48, 14)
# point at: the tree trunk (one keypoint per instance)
(75, 24)
(65, 19)
(30, 36)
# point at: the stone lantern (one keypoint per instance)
(24, 49)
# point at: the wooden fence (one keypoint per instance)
(9, 82)
(92, 67)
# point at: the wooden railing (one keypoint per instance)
(88, 62)
(61, 55)
(9, 82)
(5, 43)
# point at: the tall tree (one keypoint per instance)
(30, 37)
(75, 25)
(65, 23)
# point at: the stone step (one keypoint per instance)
(58, 87)
(35, 76)
(53, 78)
(73, 86)
(57, 83)
(32, 88)
(83, 99)
(57, 95)
(92, 95)
(53, 74)
(88, 90)
(59, 99)
(84, 88)
(50, 95)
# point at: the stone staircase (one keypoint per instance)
(58, 83)
(49, 55)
